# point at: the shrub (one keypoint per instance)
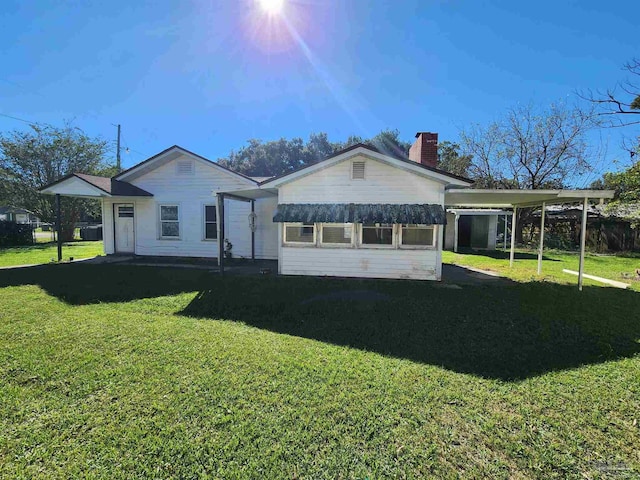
(15, 234)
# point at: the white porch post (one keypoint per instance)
(541, 246)
(583, 241)
(512, 254)
(455, 233)
(505, 231)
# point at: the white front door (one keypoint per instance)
(125, 239)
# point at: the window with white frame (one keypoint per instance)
(417, 235)
(377, 234)
(210, 222)
(336, 234)
(300, 233)
(169, 221)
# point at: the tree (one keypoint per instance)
(43, 154)
(450, 160)
(620, 105)
(530, 148)
(265, 159)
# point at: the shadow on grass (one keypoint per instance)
(504, 254)
(509, 333)
(81, 284)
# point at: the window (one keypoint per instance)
(336, 233)
(125, 211)
(169, 221)
(377, 234)
(357, 170)
(300, 233)
(185, 167)
(210, 222)
(418, 235)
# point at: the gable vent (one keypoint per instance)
(357, 171)
(185, 167)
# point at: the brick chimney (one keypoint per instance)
(425, 149)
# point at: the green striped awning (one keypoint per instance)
(420, 214)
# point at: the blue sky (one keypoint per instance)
(209, 75)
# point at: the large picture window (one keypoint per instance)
(169, 221)
(300, 233)
(377, 234)
(210, 222)
(336, 234)
(418, 235)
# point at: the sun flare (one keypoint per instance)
(272, 7)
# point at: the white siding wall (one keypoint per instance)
(382, 184)
(372, 263)
(192, 193)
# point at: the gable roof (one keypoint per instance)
(416, 167)
(176, 149)
(109, 186)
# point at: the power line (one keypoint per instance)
(25, 121)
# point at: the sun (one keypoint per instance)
(272, 7)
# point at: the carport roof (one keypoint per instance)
(467, 197)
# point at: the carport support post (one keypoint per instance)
(541, 246)
(59, 226)
(583, 241)
(221, 232)
(512, 254)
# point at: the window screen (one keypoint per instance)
(299, 233)
(169, 222)
(337, 233)
(210, 222)
(417, 235)
(377, 234)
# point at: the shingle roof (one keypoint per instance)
(111, 186)
(417, 214)
(116, 188)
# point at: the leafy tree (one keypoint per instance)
(450, 160)
(264, 159)
(41, 155)
(530, 148)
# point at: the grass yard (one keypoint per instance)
(117, 371)
(525, 268)
(45, 252)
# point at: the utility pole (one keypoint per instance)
(118, 164)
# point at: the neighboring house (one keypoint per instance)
(359, 213)
(17, 215)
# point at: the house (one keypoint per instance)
(17, 215)
(361, 212)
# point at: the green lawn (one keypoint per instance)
(46, 252)
(118, 371)
(525, 267)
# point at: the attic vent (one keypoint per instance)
(185, 167)
(357, 171)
